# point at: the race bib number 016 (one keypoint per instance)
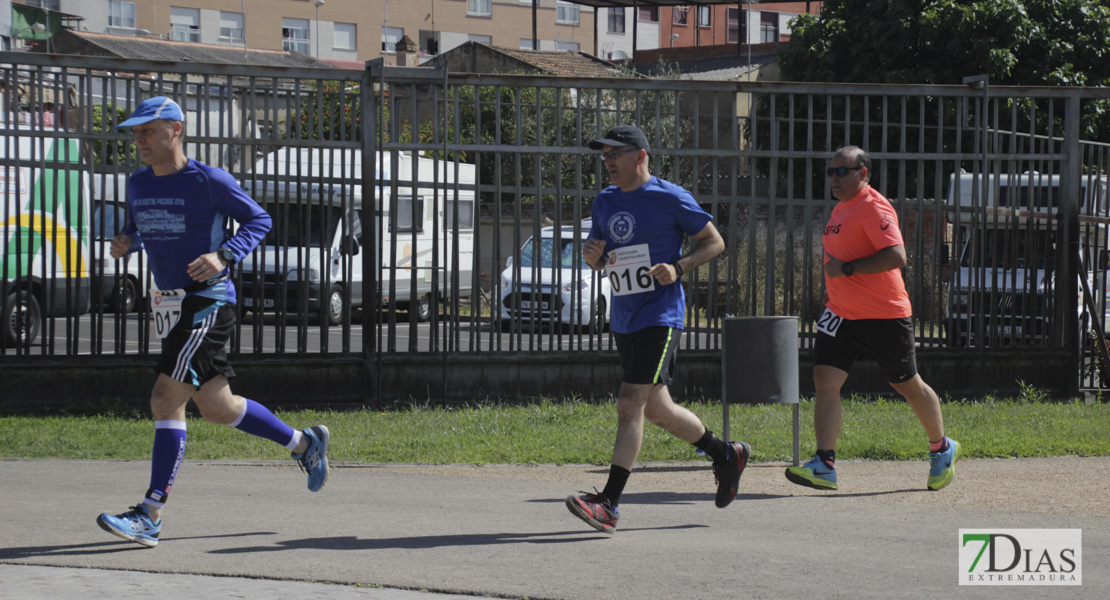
(829, 322)
(630, 270)
(167, 309)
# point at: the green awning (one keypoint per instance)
(24, 18)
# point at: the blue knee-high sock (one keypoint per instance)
(169, 449)
(258, 420)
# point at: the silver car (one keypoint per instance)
(551, 283)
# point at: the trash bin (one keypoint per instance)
(759, 365)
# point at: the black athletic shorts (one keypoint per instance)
(648, 355)
(193, 352)
(889, 342)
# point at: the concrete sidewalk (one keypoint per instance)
(236, 530)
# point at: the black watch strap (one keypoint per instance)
(226, 254)
(848, 268)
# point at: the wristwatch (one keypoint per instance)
(678, 268)
(227, 255)
(848, 269)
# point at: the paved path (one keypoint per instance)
(237, 530)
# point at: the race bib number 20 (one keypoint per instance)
(630, 270)
(829, 322)
(166, 305)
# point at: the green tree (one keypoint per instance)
(1014, 42)
(105, 117)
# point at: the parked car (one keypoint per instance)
(551, 283)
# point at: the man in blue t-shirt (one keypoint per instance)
(638, 226)
(179, 210)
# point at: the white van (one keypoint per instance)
(119, 285)
(548, 285)
(1005, 273)
(44, 229)
(311, 260)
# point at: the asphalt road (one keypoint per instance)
(239, 530)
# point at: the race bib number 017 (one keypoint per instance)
(630, 270)
(167, 309)
(829, 322)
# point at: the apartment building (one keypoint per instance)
(740, 23)
(346, 32)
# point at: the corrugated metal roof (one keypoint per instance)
(103, 44)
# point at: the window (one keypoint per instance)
(616, 20)
(184, 24)
(566, 13)
(345, 36)
(402, 221)
(484, 39)
(567, 46)
(466, 213)
(231, 28)
(768, 27)
(526, 44)
(121, 14)
(294, 35)
(650, 15)
(47, 4)
(705, 16)
(679, 15)
(733, 23)
(479, 8)
(390, 37)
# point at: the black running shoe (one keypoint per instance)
(728, 472)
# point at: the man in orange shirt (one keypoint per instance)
(867, 314)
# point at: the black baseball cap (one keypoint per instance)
(623, 135)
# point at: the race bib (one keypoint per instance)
(629, 270)
(829, 322)
(166, 305)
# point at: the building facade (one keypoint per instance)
(344, 31)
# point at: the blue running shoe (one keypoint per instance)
(134, 525)
(942, 466)
(814, 474)
(314, 461)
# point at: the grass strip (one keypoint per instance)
(581, 432)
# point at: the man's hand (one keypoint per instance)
(593, 250)
(834, 267)
(664, 273)
(206, 266)
(120, 245)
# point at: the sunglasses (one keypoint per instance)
(840, 171)
(615, 154)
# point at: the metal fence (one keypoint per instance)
(434, 213)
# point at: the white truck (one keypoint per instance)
(45, 232)
(1002, 286)
(311, 260)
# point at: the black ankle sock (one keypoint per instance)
(618, 477)
(712, 445)
(827, 456)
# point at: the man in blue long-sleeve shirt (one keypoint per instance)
(180, 210)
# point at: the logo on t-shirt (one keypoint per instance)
(622, 226)
(886, 222)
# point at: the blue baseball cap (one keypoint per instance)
(158, 107)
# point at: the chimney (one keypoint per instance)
(407, 52)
